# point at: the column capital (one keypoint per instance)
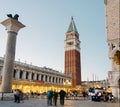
(12, 25)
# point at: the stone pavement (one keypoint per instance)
(68, 103)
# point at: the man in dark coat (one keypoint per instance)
(55, 96)
(62, 96)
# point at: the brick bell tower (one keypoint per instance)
(72, 54)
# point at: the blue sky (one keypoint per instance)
(41, 42)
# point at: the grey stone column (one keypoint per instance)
(24, 75)
(35, 76)
(12, 27)
(52, 79)
(39, 77)
(17, 76)
(48, 78)
(30, 76)
(43, 77)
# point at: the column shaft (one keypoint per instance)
(9, 62)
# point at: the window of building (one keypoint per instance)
(42, 77)
(53, 79)
(32, 76)
(46, 78)
(37, 77)
(50, 79)
(21, 74)
(27, 75)
(14, 73)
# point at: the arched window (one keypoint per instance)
(62, 80)
(37, 77)
(50, 79)
(59, 80)
(42, 77)
(32, 76)
(53, 79)
(119, 83)
(46, 78)
(56, 80)
(14, 73)
(21, 74)
(27, 75)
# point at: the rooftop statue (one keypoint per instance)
(15, 17)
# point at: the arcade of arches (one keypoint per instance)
(36, 79)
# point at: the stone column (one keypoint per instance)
(17, 76)
(12, 27)
(24, 75)
(35, 76)
(43, 77)
(39, 77)
(48, 78)
(30, 76)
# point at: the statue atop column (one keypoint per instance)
(15, 16)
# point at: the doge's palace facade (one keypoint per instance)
(113, 40)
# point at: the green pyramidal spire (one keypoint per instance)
(72, 26)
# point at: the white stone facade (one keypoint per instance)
(114, 81)
(30, 73)
(113, 39)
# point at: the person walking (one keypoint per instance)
(55, 96)
(49, 97)
(15, 95)
(62, 96)
(21, 96)
(109, 92)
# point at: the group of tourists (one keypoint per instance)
(52, 97)
(101, 95)
(18, 96)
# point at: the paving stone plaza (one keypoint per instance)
(68, 103)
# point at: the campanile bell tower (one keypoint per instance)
(72, 54)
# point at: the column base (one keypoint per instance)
(6, 96)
